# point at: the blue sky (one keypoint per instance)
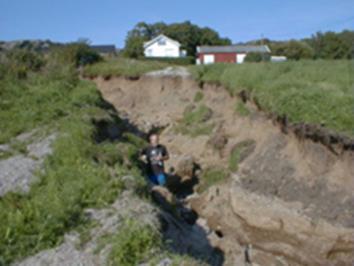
(107, 21)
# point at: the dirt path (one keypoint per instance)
(289, 202)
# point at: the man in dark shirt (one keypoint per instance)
(155, 154)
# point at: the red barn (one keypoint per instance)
(227, 54)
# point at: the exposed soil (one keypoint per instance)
(291, 200)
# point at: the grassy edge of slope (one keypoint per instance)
(315, 92)
(114, 67)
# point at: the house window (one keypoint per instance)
(209, 59)
(161, 42)
(149, 52)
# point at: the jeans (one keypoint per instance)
(159, 179)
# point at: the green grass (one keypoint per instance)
(198, 96)
(195, 122)
(38, 101)
(210, 177)
(15, 147)
(239, 152)
(136, 243)
(234, 160)
(318, 92)
(71, 179)
(122, 67)
(133, 244)
(242, 109)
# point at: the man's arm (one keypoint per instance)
(142, 155)
(165, 155)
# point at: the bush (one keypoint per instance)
(78, 54)
(18, 62)
(198, 96)
(29, 60)
(257, 57)
(210, 177)
(133, 244)
(188, 60)
(199, 115)
(3, 71)
(194, 122)
(292, 49)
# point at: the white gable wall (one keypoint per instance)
(240, 58)
(166, 48)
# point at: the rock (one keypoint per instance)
(26, 135)
(165, 262)
(170, 72)
(218, 140)
(17, 172)
(130, 182)
(163, 197)
(189, 108)
(65, 254)
(42, 148)
(185, 168)
(275, 229)
(5, 148)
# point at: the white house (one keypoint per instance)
(163, 46)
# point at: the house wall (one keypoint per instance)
(219, 57)
(169, 49)
(240, 58)
(225, 58)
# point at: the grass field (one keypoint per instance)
(318, 92)
(122, 67)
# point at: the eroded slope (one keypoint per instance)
(287, 201)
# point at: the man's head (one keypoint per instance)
(154, 139)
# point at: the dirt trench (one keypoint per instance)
(289, 202)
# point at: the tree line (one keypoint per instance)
(189, 35)
(322, 45)
(327, 45)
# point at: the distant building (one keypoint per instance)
(227, 54)
(104, 49)
(278, 58)
(163, 46)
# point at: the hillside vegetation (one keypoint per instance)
(318, 92)
(85, 168)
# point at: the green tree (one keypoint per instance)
(257, 57)
(78, 54)
(327, 45)
(293, 49)
(331, 45)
